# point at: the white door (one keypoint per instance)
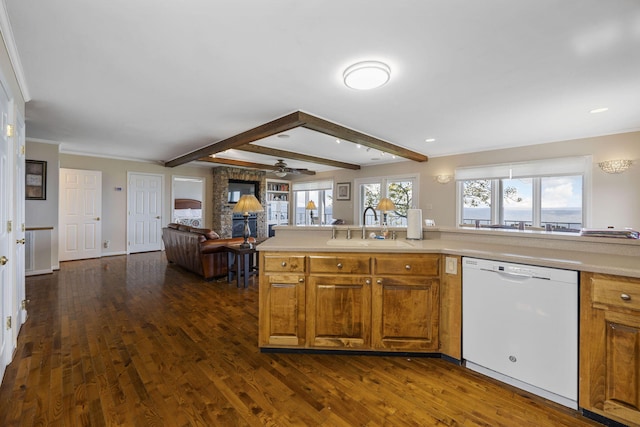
(79, 214)
(145, 212)
(20, 309)
(6, 249)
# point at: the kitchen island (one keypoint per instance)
(320, 291)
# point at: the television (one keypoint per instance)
(238, 188)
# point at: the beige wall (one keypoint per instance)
(615, 198)
(114, 203)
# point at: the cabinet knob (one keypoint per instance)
(3, 260)
(625, 297)
(339, 265)
(284, 264)
(368, 281)
(21, 241)
(379, 281)
(301, 280)
(407, 267)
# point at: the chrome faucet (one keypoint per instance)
(364, 215)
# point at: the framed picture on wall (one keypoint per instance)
(343, 191)
(36, 180)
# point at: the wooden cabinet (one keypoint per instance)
(405, 306)
(282, 300)
(339, 301)
(350, 301)
(610, 347)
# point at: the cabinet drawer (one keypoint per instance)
(616, 291)
(347, 264)
(283, 263)
(403, 264)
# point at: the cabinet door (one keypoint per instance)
(282, 306)
(405, 313)
(339, 311)
(610, 347)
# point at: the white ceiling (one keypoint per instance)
(156, 79)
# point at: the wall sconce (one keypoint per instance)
(443, 179)
(615, 166)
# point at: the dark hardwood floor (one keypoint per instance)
(130, 340)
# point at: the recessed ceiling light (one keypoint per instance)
(338, 141)
(599, 110)
(430, 140)
(366, 75)
(358, 145)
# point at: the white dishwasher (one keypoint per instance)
(520, 326)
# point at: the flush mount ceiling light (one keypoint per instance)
(366, 75)
(615, 166)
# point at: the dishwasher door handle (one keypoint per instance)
(507, 273)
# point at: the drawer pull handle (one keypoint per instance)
(625, 297)
(301, 280)
(339, 265)
(379, 281)
(407, 267)
(284, 264)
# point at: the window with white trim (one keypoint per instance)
(321, 192)
(542, 193)
(402, 190)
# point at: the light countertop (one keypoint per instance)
(558, 250)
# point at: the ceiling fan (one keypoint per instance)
(281, 170)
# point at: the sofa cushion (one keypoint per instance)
(173, 225)
(183, 227)
(207, 233)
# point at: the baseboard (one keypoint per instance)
(38, 272)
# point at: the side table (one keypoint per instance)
(242, 262)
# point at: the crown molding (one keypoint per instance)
(12, 50)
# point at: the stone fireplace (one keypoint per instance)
(223, 211)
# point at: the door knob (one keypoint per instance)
(158, 217)
(3, 260)
(98, 219)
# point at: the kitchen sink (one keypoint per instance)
(369, 243)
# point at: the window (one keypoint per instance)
(531, 194)
(321, 192)
(401, 190)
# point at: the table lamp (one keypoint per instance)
(247, 203)
(384, 206)
(311, 206)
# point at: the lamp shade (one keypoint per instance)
(311, 205)
(248, 203)
(385, 204)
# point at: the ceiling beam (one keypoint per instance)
(283, 124)
(244, 164)
(282, 154)
(341, 132)
(292, 121)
